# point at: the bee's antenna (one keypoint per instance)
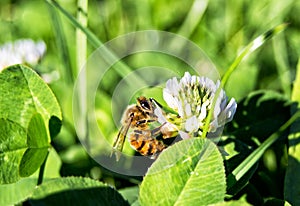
(156, 102)
(165, 108)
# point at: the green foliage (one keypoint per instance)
(256, 161)
(188, 172)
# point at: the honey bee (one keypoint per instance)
(146, 134)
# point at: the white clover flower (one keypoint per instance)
(21, 51)
(192, 97)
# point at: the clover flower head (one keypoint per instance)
(192, 98)
(21, 51)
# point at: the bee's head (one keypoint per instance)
(144, 103)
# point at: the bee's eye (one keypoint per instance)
(145, 105)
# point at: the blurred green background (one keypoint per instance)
(220, 28)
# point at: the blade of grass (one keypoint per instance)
(255, 44)
(296, 87)
(292, 179)
(190, 23)
(144, 19)
(120, 67)
(62, 45)
(280, 54)
(193, 18)
(81, 54)
(90, 36)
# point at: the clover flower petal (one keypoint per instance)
(160, 116)
(192, 98)
(21, 51)
(191, 124)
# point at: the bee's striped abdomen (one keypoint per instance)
(144, 143)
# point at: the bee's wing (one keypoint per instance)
(119, 142)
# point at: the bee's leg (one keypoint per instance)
(169, 130)
(145, 134)
(119, 141)
(157, 131)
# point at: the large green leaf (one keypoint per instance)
(37, 143)
(12, 194)
(189, 172)
(26, 108)
(53, 165)
(23, 93)
(76, 191)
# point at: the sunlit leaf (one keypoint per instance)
(12, 194)
(53, 165)
(37, 146)
(190, 171)
(23, 93)
(27, 105)
(12, 147)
